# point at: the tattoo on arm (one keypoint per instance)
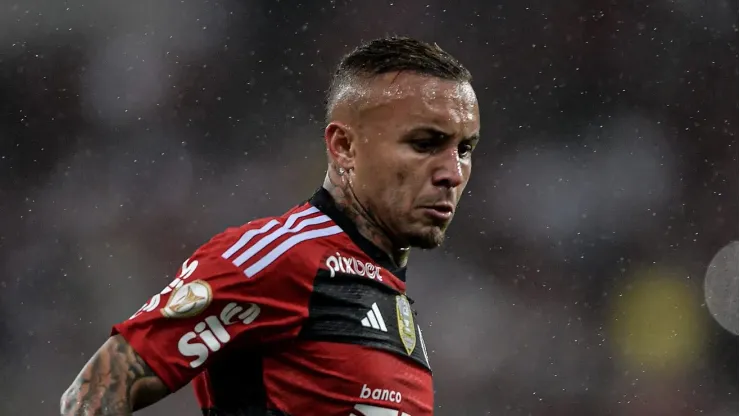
(116, 381)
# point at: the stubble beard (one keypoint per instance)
(412, 231)
(428, 237)
(427, 240)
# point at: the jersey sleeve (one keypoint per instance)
(212, 306)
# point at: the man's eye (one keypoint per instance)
(423, 146)
(465, 150)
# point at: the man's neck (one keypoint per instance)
(361, 217)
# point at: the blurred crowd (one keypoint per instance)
(572, 279)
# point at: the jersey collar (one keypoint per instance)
(323, 200)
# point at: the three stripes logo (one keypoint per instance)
(374, 319)
(273, 240)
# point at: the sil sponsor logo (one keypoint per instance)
(210, 334)
(350, 265)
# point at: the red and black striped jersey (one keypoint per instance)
(292, 315)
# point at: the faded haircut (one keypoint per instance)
(393, 54)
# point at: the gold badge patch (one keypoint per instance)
(406, 327)
(188, 300)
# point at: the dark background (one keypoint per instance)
(572, 281)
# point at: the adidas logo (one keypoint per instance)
(374, 319)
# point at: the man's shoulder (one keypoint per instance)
(286, 240)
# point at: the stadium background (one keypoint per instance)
(130, 132)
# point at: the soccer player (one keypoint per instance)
(306, 313)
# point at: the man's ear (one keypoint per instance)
(339, 140)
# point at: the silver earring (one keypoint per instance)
(341, 171)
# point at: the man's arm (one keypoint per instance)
(116, 381)
(157, 350)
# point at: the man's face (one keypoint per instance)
(412, 154)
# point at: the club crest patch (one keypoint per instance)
(406, 327)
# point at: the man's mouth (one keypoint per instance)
(440, 211)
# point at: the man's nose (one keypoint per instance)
(448, 171)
